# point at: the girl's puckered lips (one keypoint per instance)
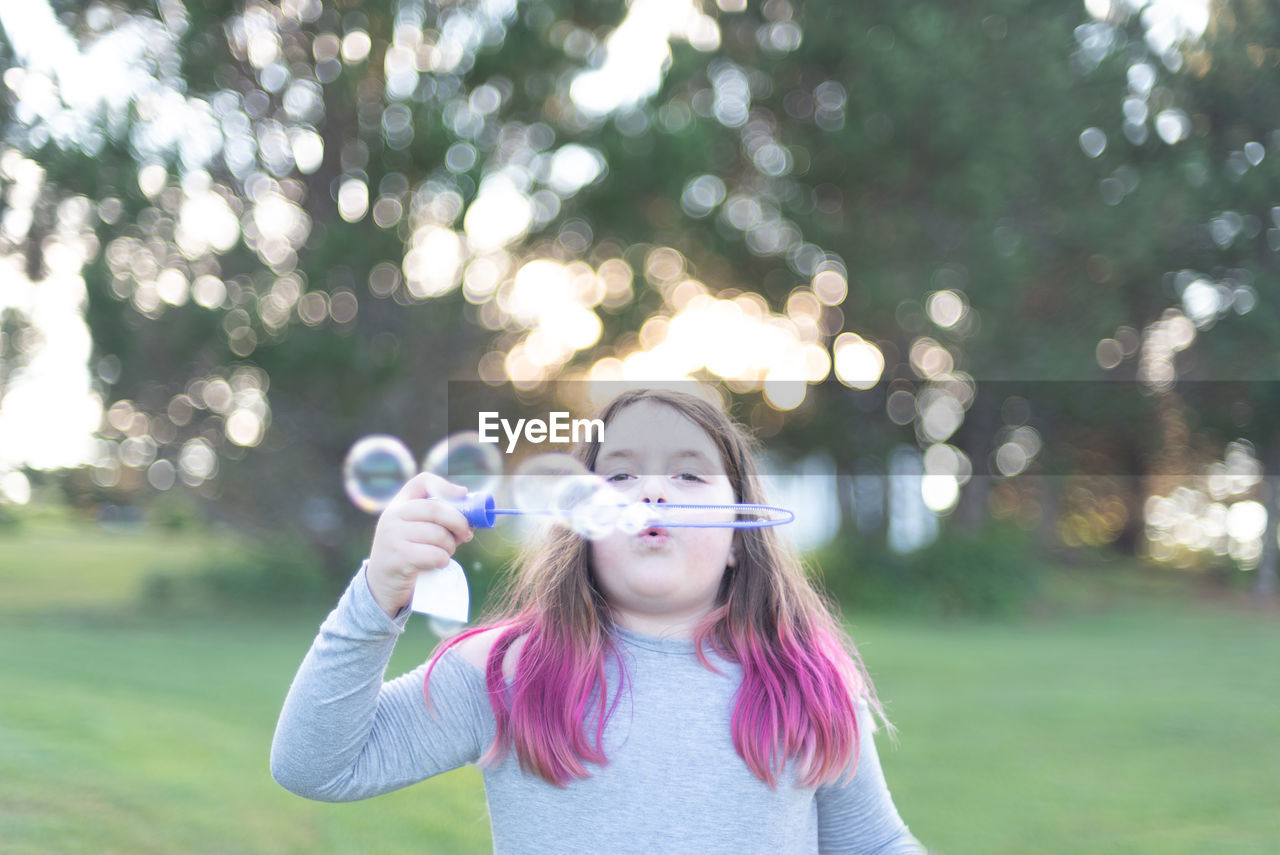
(654, 536)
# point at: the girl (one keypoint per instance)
(683, 690)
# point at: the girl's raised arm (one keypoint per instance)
(345, 735)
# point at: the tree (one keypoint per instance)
(388, 196)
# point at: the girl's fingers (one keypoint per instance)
(426, 557)
(427, 498)
(425, 485)
(431, 535)
(441, 513)
(419, 530)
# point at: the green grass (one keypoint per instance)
(1130, 732)
(54, 561)
(1148, 727)
(152, 736)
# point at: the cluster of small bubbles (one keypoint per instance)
(375, 469)
(636, 517)
(589, 506)
(583, 502)
(464, 459)
(570, 496)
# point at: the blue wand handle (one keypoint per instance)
(477, 508)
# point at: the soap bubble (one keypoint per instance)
(463, 459)
(538, 478)
(600, 514)
(636, 518)
(572, 491)
(375, 469)
(587, 505)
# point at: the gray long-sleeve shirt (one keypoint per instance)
(673, 783)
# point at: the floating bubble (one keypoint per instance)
(587, 505)
(637, 517)
(463, 459)
(538, 478)
(573, 491)
(598, 516)
(375, 469)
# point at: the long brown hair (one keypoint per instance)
(802, 677)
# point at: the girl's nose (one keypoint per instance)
(653, 489)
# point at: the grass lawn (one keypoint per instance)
(1142, 728)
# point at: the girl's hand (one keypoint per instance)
(415, 532)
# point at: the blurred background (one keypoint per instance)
(995, 282)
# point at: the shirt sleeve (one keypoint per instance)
(344, 734)
(859, 818)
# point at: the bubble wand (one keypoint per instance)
(480, 511)
(377, 467)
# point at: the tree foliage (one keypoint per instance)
(308, 217)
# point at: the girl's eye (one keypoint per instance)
(618, 477)
(689, 476)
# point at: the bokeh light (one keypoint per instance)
(1216, 514)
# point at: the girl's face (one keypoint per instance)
(662, 580)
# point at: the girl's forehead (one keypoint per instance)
(647, 427)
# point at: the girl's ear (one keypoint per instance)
(733, 554)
